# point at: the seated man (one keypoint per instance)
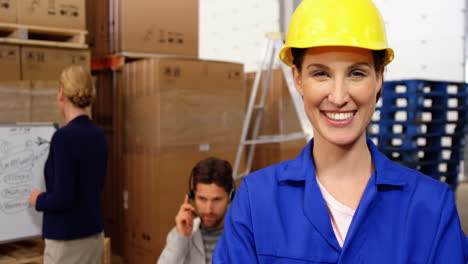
(198, 228)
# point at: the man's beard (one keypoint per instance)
(210, 224)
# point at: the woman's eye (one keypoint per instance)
(358, 74)
(318, 74)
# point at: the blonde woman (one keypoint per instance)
(340, 200)
(74, 176)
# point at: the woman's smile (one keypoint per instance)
(339, 116)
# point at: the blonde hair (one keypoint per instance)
(78, 86)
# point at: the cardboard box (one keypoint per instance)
(182, 102)
(172, 113)
(38, 63)
(53, 13)
(8, 11)
(279, 117)
(10, 63)
(103, 116)
(144, 26)
(30, 101)
(44, 107)
(156, 183)
(15, 102)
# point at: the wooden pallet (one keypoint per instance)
(22, 252)
(42, 36)
(30, 252)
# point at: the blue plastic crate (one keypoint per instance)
(421, 124)
(424, 87)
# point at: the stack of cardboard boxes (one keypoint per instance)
(29, 62)
(31, 59)
(163, 111)
(173, 114)
(29, 72)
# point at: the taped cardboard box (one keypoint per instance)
(53, 13)
(8, 11)
(40, 63)
(9, 63)
(144, 26)
(183, 102)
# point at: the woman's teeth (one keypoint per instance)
(340, 116)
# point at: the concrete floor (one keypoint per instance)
(462, 204)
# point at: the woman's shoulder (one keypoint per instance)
(420, 184)
(81, 131)
(420, 177)
(270, 175)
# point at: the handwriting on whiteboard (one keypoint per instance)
(16, 170)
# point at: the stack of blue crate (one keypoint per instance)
(421, 124)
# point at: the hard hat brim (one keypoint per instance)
(287, 57)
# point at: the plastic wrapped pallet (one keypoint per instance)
(30, 101)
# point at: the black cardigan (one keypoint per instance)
(74, 176)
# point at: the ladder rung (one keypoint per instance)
(276, 138)
(242, 175)
(257, 107)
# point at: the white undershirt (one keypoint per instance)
(340, 215)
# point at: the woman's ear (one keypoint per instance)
(297, 80)
(379, 85)
(60, 95)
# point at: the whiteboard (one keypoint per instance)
(23, 152)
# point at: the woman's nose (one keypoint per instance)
(338, 95)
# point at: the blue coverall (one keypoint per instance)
(280, 216)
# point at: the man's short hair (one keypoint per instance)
(213, 170)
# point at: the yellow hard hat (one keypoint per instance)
(352, 23)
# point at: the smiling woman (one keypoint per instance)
(338, 85)
(340, 200)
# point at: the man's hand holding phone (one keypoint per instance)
(184, 218)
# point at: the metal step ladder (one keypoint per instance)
(274, 45)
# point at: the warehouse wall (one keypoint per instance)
(234, 30)
(428, 38)
(427, 35)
